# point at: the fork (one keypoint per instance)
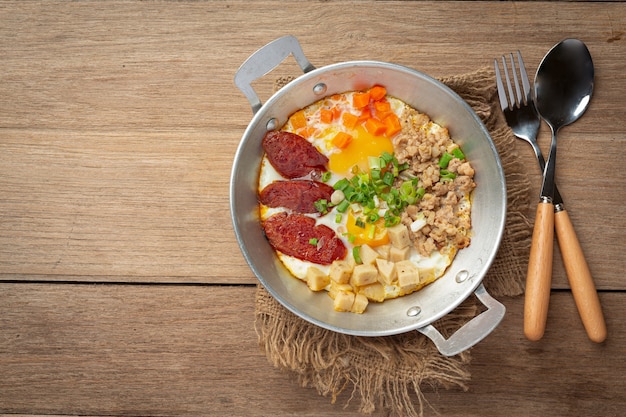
(521, 115)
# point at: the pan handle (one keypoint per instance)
(266, 59)
(473, 331)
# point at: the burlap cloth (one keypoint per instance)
(389, 374)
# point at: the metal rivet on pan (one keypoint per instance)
(319, 89)
(462, 275)
(272, 124)
(413, 311)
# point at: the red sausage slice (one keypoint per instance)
(291, 234)
(292, 155)
(297, 195)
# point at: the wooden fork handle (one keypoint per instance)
(580, 280)
(539, 277)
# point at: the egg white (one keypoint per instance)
(431, 267)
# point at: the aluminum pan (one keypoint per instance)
(445, 107)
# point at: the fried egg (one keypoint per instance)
(338, 129)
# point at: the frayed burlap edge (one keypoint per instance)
(388, 373)
(382, 373)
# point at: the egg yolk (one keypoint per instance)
(363, 235)
(362, 146)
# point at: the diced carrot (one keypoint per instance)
(341, 140)
(349, 120)
(360, 100)
(336, 112)
(375, 126)
(382, 109)
(382, 105)
(365, 114)
(326, 115)
(298, 120)
(307, 131)
(377, 92)
(392, 122)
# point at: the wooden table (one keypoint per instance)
(122, 288)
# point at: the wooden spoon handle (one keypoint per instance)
(539, 275)
(580, 280)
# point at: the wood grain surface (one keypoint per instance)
(185, 350)
(122, 288)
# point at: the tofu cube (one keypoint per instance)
(374, 292)
(368, 255)
(408, 275)
(383, 251)
(386, 271)
(343, 301)
(336, 288)
(399, 236)
(427, 275)
(364, 275)
(316, 279)
(340, 272)
(360, 304)
(399, 254)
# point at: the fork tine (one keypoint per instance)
(512, 98)
(504, 103)
(524, 77)
(519, 99)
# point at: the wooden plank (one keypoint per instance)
(170, 65)
(120, 205)
(189, 350)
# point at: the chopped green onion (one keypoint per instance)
(313, 241)
(373, 190)
(356, 253)
(386, 157)
(388, 178)
(355, 197)
(343, 206)
(321, 206)
(337, 197)
(338, 217)
(326, 176)
(445, 160)
(458, 153)
(445, 175)
(341, 184)
(373, 217)
(418, 223)
(390, 219)
(371, 232)
(351, 238)
(348, 192)
(408, 193)
(407, 187)
(373, 162)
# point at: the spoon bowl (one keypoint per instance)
(564, 83)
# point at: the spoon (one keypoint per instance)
(563, 87)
